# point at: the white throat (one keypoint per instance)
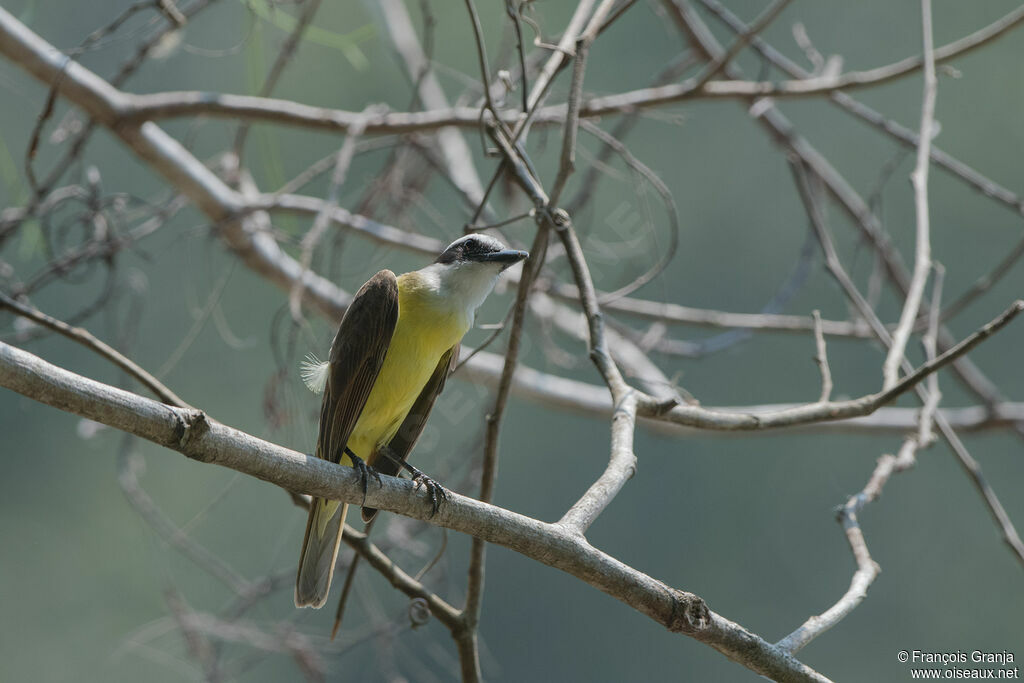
(461, 287)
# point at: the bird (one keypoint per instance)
(395, 346)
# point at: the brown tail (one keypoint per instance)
(319, 552)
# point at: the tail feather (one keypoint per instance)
(319, 552)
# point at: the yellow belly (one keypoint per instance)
(423, 333)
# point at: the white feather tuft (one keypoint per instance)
(314, 373)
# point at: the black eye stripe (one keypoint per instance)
(467, 249)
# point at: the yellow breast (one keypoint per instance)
(424, 332)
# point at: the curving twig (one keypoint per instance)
(867, 569)
(86, 339)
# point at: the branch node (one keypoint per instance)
(419, 612)
(690, 614)
(192, 425)
(559, 219)
(663, 406)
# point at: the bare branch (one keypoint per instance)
(284, 55)
(925, 436)
(821, 358)
(675, 313)
(469, 652)
(481, 53)
(904, 135)
(452, 145)
(922, 253)
(690, 88)
(621, 467)
(196, 436)
(720, 62)
(547, 73)
(310, 240)
(849, 200)
(867, 568)
(973, 470)
(173, 104)
(567, 159)
(86, 339)
(590, 399)
(375, 557)
(127, 477)
(702, 417)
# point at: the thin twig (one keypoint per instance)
(984, 283)
(475, 581)
(719, 63)
(669, 252)
(86, 339)
(867, 568)
(452, 146)
(342, 161)
(922, 252)
(513, 15)
(929, 341)
(175, 104)
(128, 469)
(903, 135)
(284, 56)
(621, 467)
(481, 54)
(973, 470)
(970, 465)
(849, 200)
(821, 358)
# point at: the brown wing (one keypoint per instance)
(409, 433)
(357, 355)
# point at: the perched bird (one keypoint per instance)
(389, 360)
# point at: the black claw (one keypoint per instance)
(365, 472)
(436, 491)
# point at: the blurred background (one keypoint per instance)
(88, 589)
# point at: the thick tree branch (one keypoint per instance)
(201, 438)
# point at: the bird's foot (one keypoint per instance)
(365, 472)
(436, 491)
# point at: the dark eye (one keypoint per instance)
(474, 246)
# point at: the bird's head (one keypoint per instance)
(465, 272)
(480, 251)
